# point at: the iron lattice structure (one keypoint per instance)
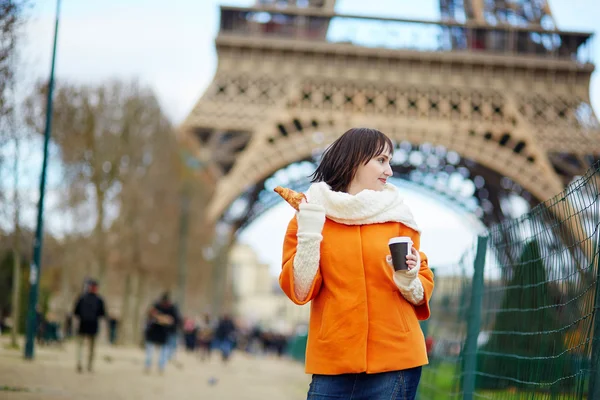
(493, 82)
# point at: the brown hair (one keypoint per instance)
(341, 160)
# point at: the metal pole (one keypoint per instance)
(474, 320)
(594, 383)
(35, 268)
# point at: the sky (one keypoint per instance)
(170, 46)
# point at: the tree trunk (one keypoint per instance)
(100, 236)
(139, 295)
(16, 283)
(220, 267)
(16, 289)
(65, 284)
(139, 281)
(123, 335)
(183, 238)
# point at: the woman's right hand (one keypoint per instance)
(311, 218)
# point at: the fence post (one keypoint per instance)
(474, 321)
(594, 385)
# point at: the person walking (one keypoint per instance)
(88, 310)
(190, 330)
(225, 336)
(161, 318)
(364, 339)
(173, 335)
(205, 337)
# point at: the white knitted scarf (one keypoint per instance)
(366, 207)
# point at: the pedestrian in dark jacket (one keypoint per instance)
(162, 318)
(88, 310)
(225, 336)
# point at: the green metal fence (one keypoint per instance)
(517, 318)
(447, 327)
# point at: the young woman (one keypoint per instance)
(364, 338)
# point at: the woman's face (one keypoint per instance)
(372, 175)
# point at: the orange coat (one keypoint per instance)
(359, 321)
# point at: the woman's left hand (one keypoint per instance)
(407, 280)
(414, 259)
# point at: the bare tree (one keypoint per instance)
(121, 156)
(146, 150)
(118, 148)
(11, 19)
(90, 126)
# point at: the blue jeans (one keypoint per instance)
(226, 347)
(171, 345)
(395, 385)
(162, 355)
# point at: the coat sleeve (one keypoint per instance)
(286, 278)
(426, 277)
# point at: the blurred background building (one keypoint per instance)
(258, 297)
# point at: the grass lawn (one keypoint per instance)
(441, 381)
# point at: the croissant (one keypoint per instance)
(293, 198)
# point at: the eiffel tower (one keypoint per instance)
(493, 91)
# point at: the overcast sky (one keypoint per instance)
(169, 46)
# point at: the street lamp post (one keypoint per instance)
(35, 268)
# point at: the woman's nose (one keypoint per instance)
(388, 171)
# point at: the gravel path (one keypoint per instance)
(119, 375)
